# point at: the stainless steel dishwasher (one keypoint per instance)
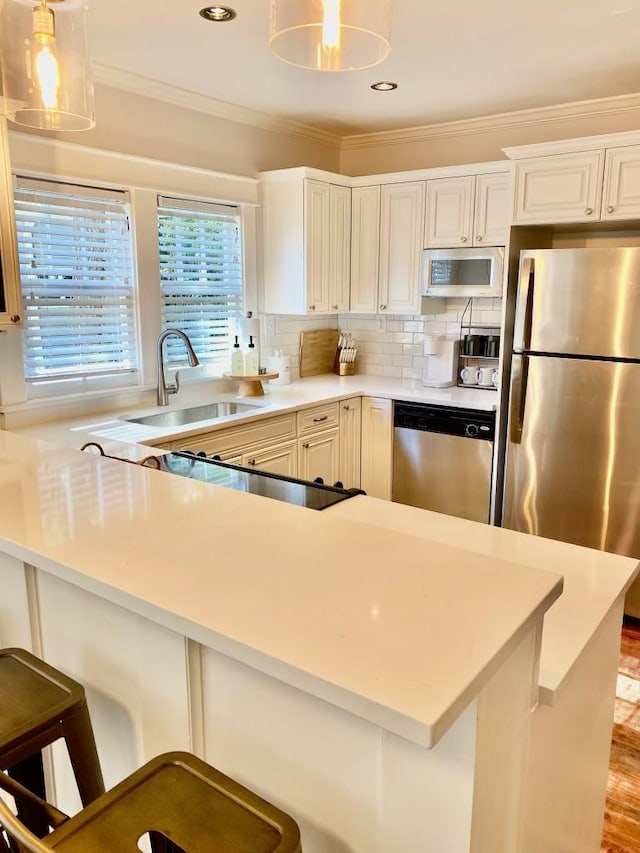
(442, 459)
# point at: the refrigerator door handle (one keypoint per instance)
(518, 396)
(524, 305)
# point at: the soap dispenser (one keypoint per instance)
(251, 359)
(237, 359)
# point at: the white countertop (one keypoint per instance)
(109, 429)
(401, 632)
(593, 580)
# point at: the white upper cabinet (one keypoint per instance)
(401, 224)
(492, 212)
(621, 194)
(467, 211)
(559, 188)
(365, 249)
(9, 272)
(307, 225)
(386, 248)
(449, 212)
(340, 248)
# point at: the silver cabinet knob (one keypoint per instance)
(589, 211)
(463, 239)
(383, 307)
(610, 209)
(479, 239)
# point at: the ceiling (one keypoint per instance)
(452, 59)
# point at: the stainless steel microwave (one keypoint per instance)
(462, 272)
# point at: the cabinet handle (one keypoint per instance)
(383, 307)
(252, 462)
(306, 445)
(312, 307)
(589, 211)
(610, 209)
(15, 318)
(479, 239)
(319, 420)
(334, 307)
(346, 408)
(463, 239)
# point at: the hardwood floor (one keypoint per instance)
(622, 814)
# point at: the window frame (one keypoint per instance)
(80, 382)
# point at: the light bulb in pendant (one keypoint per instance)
(331, 24)
(45, 65)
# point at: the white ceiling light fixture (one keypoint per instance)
(217, 14)
(331, 35)
(384, 86)
(45, 64)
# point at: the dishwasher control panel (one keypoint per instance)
(448, 420)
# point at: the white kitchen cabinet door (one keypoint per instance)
(319, 456)
(401, 226)
(340, 248)
(377, 447)
(492, 212)
(316, 242)
(350, 430)
(365, 242)
(281, 459)
(621, 193)
(449, 212)
(559, 188)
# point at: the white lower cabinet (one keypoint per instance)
(350, 442)
(319, 456)
(281, 459)
(377, 447)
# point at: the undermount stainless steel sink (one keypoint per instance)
(180, 417)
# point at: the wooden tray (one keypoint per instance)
(318, 351)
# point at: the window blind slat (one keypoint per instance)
(75, 265)
(201, 276)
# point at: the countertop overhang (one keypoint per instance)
(395, 629)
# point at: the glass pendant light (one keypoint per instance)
(331, 35)
(45, 64)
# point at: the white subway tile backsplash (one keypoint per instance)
(388, 345)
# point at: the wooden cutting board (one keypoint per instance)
(318, 351)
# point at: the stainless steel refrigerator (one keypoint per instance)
(573, 451)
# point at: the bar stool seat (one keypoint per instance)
(183, 803)
(39, 705)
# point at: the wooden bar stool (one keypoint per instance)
(176, 800)
(39, 705)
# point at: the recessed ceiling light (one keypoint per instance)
(384, 86)
(217, 13)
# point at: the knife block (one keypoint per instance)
(346, 368)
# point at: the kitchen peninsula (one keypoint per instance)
(319, 659)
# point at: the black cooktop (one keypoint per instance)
(289, 489)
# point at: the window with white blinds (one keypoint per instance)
(74, 247)
(200, 248)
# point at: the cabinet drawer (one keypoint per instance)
(318, 418)
(227, 442)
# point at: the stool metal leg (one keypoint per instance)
(81, 745)
(30, 773)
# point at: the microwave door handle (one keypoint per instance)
(524, 306)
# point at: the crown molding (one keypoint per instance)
(500, 121)
(128, 82)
